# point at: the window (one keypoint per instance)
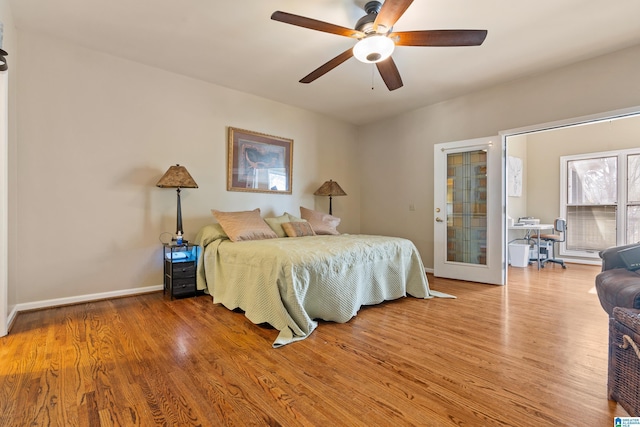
(633, 198)
(600, 200)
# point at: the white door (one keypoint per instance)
(468, 211)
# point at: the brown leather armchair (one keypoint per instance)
(616, 286)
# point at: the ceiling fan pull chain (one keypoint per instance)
(372, 76)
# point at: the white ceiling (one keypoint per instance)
(235, 44)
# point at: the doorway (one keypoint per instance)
(540, 148)
(540, 195)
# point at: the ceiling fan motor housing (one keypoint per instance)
(365, 24)
(375, 46)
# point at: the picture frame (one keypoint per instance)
(514, 176)
(258, 162)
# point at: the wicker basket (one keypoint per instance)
(624, 359)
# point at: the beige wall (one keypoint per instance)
(544, 150)
(397, 154)
(96, 134)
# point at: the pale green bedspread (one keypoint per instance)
(289, 282)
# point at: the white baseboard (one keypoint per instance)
(35, 305)
(566, 260)
(597, 262)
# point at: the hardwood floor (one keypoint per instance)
(533, 353)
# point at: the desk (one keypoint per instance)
(529, 228)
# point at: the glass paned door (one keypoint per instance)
(469, 211)
(467, 207)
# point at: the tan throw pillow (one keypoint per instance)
(298, 229)
(244, 225)
(276, 224)
(321, 223)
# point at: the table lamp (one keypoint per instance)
(330, 188)
(177, 177)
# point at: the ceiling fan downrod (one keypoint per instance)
(365, 24)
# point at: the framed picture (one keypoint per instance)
(259, 163)
(514, 176)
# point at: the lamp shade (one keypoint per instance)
(330, 188)
(177, 177)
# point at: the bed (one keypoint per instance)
(291, 282)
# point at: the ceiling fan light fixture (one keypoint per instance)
(374, 48)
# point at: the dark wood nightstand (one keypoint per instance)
(180, 269)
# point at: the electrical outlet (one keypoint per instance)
(412, 207)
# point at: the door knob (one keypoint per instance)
(438, 219)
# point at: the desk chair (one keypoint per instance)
(560, 226)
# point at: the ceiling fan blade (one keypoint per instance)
(439, 38)
(390, 12)
(325, 68)
(314, 24)
(390, 73)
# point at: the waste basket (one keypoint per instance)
(518, 254)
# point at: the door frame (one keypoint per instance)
(4, 202)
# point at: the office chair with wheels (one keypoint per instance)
(560, 235)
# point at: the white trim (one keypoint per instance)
(35, 305)
(4, 202)
(467, 147)
(10, 319)
(597, 262)
(577, 121)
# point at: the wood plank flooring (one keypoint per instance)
(533, 353)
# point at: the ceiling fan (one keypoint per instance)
(376, 39)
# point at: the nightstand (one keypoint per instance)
(180, 269)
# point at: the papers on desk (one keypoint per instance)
(531, 226)
(529, 221)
